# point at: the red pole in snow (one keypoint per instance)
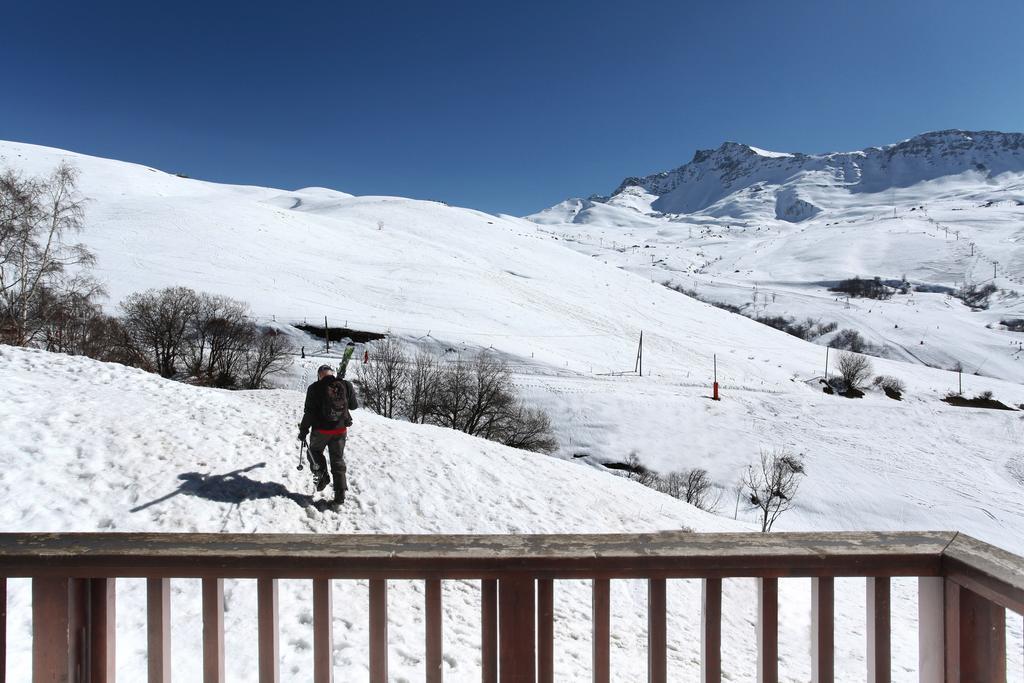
(715, 385)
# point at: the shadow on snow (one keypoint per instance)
(232, 488)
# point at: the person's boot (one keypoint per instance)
(339, 499)
(320, 479)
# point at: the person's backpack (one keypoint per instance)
(334, 408)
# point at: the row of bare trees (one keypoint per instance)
(48, 299)
(474, 395)
(207, 338)
(768, 487)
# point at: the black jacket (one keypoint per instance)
(313, 409)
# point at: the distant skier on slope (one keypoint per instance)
(329, 401)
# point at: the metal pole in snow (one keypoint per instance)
(641, 353)
(327, 334)
(714, 387)
(826, 363)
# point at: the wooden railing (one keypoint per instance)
(965, 588)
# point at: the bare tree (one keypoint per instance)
(454, 396)
(384, 380)
(693, 486)
(771, 486)
(854, 369)
(423, 385)
(268, 353)
(157, 321)
(217, 339)
(492, 397)
(37, 216)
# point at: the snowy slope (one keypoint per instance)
(199, 460)
(772, 232)
(457, 278)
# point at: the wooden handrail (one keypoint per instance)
(965, 586)
(672, 554)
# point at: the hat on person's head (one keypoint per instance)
(325, 368)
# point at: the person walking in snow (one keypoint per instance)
(329, 401)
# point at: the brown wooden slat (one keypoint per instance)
(268, 634)
(3, 629)
(378, 631)
(657, 632)
(652, 555)
(102, 637)
(51, 638)
(879, 632)
(323, 631)
(602, 630)
(931, 623)
(213, 630)
(489, 630)
(823, 630)
(951, 605)
(982, 639)
(711, 631)
(517, 625)
(434, 631)
(545, 631)
(158, 629)
(768, 631)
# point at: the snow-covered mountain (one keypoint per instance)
(741, 181)
(772, 232)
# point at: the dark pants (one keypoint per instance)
(335, 445)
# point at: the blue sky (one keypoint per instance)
(506, 107)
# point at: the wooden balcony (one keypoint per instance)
(965, 588)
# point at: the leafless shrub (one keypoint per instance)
(267, 353)
(854, 369)
(693, 486)
(158, 321)
(636, 471)
(218, 339)
(771, 486)
(528, 429)
(891, 385)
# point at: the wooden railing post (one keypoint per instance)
(545, 631)
(102, 631)
(3, 629)
(213, 630)
(657, 632)
(982, 639)
(517, 624)
(768, 630)
(323, 631)
(378, 631)
(711, 631)
(602, 630)
(879, 633)
(489, 630)
(822, 629)
(434, 631)
(53, 630)
(931, 629)
(158, 627)
(267, 631)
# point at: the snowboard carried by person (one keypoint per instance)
(326, 417)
